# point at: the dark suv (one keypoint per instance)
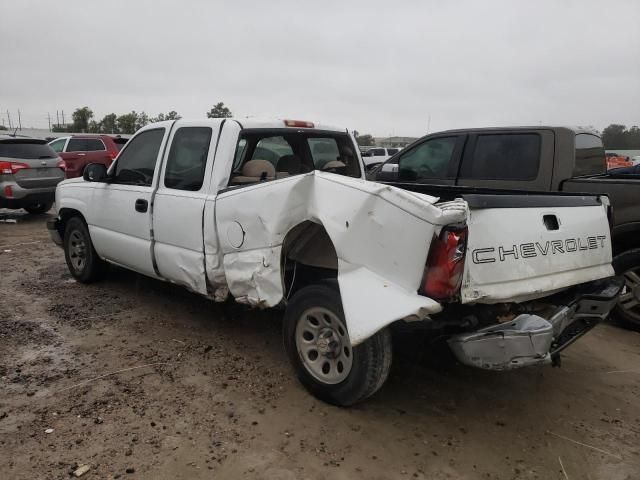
(78, 151)
(29, 173)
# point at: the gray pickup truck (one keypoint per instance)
(513, 160)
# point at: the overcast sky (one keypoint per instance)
(378, 67)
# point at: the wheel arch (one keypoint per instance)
(307, 245)
(65, 214)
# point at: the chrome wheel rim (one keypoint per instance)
(629, 300)
(323, 345)
(77, 251)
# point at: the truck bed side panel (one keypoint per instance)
(381, 237)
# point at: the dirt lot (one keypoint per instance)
(220, 400)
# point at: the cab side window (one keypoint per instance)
(188, 158)
(137, 162)
(430, 159)
(503, 157)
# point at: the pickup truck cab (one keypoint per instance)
(278, 213)
(516, 160)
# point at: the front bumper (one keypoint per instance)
(529, 339)
(53, 225)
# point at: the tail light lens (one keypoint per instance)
(445, 264)
(62, 165)
(113, 155)
(9, 168)
(8, 191)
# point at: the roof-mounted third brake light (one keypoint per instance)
(298, 123)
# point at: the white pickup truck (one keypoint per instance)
(278, 213)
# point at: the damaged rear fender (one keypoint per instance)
(380, 237)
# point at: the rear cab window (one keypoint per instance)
(590, 157)
(273, 153)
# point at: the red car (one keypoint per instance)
(78, 151)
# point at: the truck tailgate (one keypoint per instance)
(522, 247)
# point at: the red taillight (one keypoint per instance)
(445, 264)
(62, 165)
(298, 123)
(9, 168)
(113, 155)
(8, 191)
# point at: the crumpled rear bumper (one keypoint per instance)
(530, 339)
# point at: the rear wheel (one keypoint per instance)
(38, 208)
(318, 345)
(82, 259)
(627, 309)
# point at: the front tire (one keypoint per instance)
(38, 208)
(627, 310)
(84, 263)
(318, 345)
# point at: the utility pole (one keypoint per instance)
(9, 119)
(63, 122)
(58, 118)
(49, 119)
(19, 120)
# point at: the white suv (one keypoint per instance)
(377, 155)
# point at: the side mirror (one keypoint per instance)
(388, 172)
(95, 172)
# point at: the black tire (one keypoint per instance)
(628, 264)
(84, 263)
(371, 360)
(38, 208)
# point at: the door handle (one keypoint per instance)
(81, 154)
(141, 205)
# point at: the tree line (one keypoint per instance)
(128, 123)
(620, 137)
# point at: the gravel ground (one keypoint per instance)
(209, 394)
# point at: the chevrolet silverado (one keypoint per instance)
(278, 213)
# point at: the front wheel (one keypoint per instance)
(627, 309)
(318, 345)
(83, 261)
(38, 208)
